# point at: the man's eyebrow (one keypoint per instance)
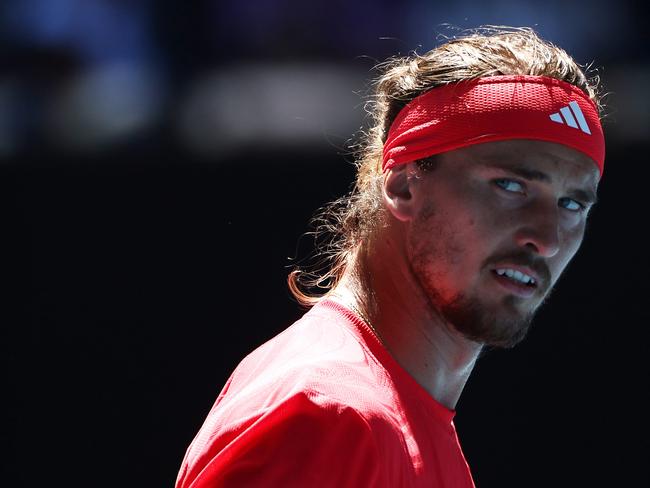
(524, 172)
(585, 196)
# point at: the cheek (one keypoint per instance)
(574, 235)
(447, 246)
(450, 230)
(570, 244)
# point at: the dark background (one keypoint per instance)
(160, 162)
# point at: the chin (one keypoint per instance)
(503, 328)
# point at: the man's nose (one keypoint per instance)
(540, 230)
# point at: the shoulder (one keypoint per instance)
(312, 405)
(305, 440)
(321, 354)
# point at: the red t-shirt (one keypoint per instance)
(323, 404)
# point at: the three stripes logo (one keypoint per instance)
(571, 116)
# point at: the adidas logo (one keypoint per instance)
(570, 115)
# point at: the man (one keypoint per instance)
(472, 194)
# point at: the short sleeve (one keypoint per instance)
(304, 441)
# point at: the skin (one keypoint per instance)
(426, 282)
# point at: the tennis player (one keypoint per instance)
(473, 189)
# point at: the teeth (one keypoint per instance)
(516, 275)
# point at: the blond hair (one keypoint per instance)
(489, 51)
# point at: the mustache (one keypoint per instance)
(523, 258)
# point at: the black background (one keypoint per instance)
(142, 274)
(148, 283)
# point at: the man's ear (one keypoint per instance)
(397, 191)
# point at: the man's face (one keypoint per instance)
(489, 218)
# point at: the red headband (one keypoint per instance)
(495, 108)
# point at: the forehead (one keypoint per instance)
(554, 161)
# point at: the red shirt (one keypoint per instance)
(323, 404)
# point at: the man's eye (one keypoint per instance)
(510, 185)
(571, 204)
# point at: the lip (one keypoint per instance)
(522, 269)
(519, 289)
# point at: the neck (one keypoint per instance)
(438, 357)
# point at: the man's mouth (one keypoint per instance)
(515, 281)
(516, 275)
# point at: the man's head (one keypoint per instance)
(487, 232)
(452, 241)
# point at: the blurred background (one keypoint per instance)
(160, 162)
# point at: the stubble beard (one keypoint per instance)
(502, 325)
(483, 325)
